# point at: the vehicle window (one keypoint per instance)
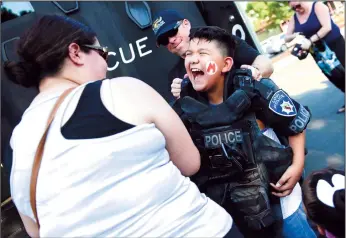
(13, 10)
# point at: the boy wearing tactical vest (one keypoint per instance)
(233, 105)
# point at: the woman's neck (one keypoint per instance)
(52, 84)
(307, 9)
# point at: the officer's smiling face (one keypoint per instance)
(206, 64)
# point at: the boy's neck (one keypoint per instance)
(215, 94)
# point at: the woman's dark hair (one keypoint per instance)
(330, 218)
(43, 48)
(224, 39)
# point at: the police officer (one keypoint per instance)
(172, 31)
(228, 117)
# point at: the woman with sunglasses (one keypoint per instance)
(313, 20)
(116, 156)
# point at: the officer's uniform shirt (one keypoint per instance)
(102, 177)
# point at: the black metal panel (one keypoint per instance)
(139, 12)
(67, 7)
(117, 31)
(226, 15)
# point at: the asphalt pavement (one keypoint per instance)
(325, 135)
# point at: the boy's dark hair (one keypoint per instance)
(330, 218)
(44, 46)
(224, 39)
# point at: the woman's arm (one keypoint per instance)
(137, 103)
(290, 31)
(322, 13)
(30, 226)
(179, 144)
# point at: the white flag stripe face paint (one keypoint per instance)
(325, 192)
(211, 67)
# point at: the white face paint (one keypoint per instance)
(211, 67)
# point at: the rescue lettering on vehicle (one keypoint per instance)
(130, 59)
(300, 121)
(214, 140)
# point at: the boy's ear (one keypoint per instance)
(321, 230)
(228, 63)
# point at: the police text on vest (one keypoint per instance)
(214, 140)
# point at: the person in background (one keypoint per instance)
(313, 20)
(115, 163)
(324, 201)
(172, 31)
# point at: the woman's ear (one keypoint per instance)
(228, 63)
(74, 54)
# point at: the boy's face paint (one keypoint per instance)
(203, 64)
(211, 67)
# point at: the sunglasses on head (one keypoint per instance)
(164, 38)
(296, 7)
(102, 51)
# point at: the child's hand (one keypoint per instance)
(256, 74)
(287, 181)
(176, 86)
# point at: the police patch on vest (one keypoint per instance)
(215, 140)
(300, 121)
(282, 104)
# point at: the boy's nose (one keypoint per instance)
(194, 59)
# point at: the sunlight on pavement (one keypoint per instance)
(335, 161)
(316, 124)
(298, 76)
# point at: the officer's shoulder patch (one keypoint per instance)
(282, 104)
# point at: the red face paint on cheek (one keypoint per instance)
(211, 67)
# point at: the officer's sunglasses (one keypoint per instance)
(164, 38)
(296, 7)
(102, 51)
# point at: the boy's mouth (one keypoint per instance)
(196, 73)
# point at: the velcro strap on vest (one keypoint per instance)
(264, 89)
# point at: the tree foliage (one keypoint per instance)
(271, 13)
(7, 14)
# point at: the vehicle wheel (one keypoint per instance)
(283, 48)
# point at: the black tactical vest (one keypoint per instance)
(237, 161)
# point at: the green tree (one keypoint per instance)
(272, 13)
(7, 14)
(22, 13)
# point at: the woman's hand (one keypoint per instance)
(305, 43)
